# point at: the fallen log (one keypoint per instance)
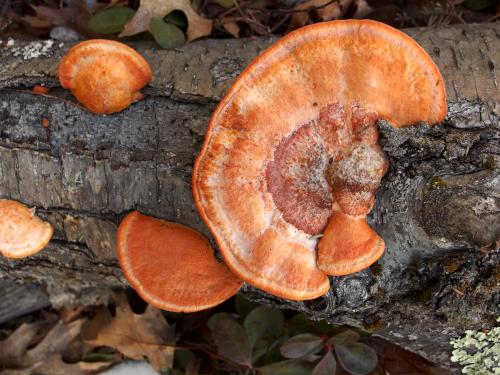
(437, 210)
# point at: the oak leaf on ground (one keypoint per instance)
(14, 352)
(75, 15)
(134, 335)
(325, 9)
(198, 26)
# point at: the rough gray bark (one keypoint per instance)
(19, 299)
(438, 208)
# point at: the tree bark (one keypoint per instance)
(437, 210)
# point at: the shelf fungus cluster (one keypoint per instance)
(291, 152)
(104, 75)
(22, 233)
(289, 167)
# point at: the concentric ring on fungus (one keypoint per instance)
(291, 152)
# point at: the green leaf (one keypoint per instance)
(111, 20)
(346, 337)
(182, 357)
(356, 358)
(225, 3)
(311, 357)
(98, 357)
(171, 371)
(260, 349)
(267, 351)
(178, 18)
(301, 324)
(213, 319)
(478, 4)
(273, 352)
(327, 365)
(263, 322)
(290, 367)
(244, 306)
(300, 345)
(231, 340)
(166, 34)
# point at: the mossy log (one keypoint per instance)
(438, 207)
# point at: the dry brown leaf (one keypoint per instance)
(232, 28)
(198, 26)
(56, 366)
(76, 15)
(14, 353)
(67, 314)
(134, 335)
(362, 9)
(115, 3)
(38, 22)
(12, 349)
(332, 11)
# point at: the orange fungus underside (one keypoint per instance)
(21, 232)
(291, 152)
(104, 75)
(171, 266)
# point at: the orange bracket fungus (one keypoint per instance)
(171, 266)
(291, 152)
(21, 232)
(104, 75)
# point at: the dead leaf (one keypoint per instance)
(232, 28)
(38, 22)
(193, 367)
(198, 26)
(14, 353)
(55, 342)
(115, 3)
(12, 349)
(135, 335)
(56, 366)
(68, 314)
(362, 9)
(332, 11)
(75, 15)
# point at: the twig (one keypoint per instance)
(457, 291)
(495, 17)
(303, 10)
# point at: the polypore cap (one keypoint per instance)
(104, 75)
(22, 233)
(262, 182)
(171, 266)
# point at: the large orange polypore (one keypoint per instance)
(295, 141)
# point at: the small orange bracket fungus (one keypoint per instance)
(171, 266)
(291, 152)
(21, 232)
(104, 75)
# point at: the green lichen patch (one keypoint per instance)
(478, 352)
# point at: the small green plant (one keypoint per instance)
(258, 340)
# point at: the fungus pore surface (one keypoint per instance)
(171, 266)
(291, 152)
